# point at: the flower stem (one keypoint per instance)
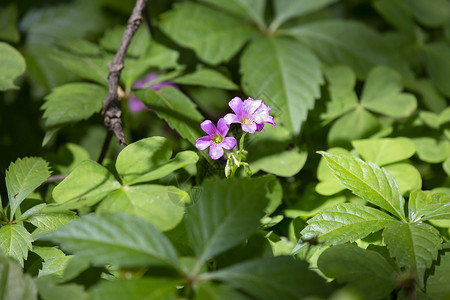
(239, 155)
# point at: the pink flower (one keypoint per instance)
(216, 139)
(250, 113)
(134, 103)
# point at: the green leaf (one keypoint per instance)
(210, 291)
(8, 23)
(247, 9)
(406, 175)
(79, 46)
(346, 222)
(361, 269)
(72, 102)
(207, 78)
(55, 261)
(50, 289)
(178, 110)
(118, 239)
(426, 205)
(213, 35)
(149, 159)
(226, 213)
(329, 184)
(398, 13)
(15, 241)
(153, 203)
(284, 74)
(437, 284)
(431, 15)
(88, 183)
(284, 164)
(438, 65)
(367, 181)
(12, 66)
(143, 288)
(139, 44)
(67, 158)
(355, 125)
(413, 245)
(14, 284)
(24, 176)
(53, 220)
(287, 9)
(350, 43)
(385, 151)
(431, 150)
(279, 277)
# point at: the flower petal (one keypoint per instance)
(231, 118)
(203, 142)
(236, 105)
(259, 126)
(249, 128)
(229, 143)
(250, 106)
(215, 151)
(208, 127)
(222, 127)
(135, 104)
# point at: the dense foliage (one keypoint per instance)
(343, 194)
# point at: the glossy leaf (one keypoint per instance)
(153, 203)
(118, 239)
(346, 222)
(214, 36)
(178, 110)
(367, 181)
(226, 213)
(426, 205)
(15, 241)
(382, 94)
(14, 284)
(12, 66)
(279, 277)
(248, 9)
(359, 268)
(149, 159)
(55, 261)
(24, 176)
(207, 78)
(285, 75)
(413, 245)
(385, 151)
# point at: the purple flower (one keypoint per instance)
(252, 114)
(134, 103)
(216, 139)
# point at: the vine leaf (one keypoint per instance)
(15, 241)
(426, 205)
(368, 181)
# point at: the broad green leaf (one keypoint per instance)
(210, 291)
(287, 9)
(207, 78)
(14, 284)
(226, 213)
(341, 84)
(51, 288)
(88, 183)
(413, 245)
(149, 159)
(153, 203)
(432, 151)
(67, 158)
(139, 44)
(385, 151)
(350, 43)
(279, 277)
(398, 13)
(118, 239)
(436, 102)
(143, 288)
(285, 75)
(79, 46)
(437, 283)
(426, 205)
(214, 36)
(55, 261)
(382, 94)
(15, 241)
(24, 176)
(12, 65)
(361, 269)
(52, 220)
(8, 23)
(178, 110)
(431, 15)
(367, 181)
(346, 222)
(438, 65)
(284, 164)
(355, 125)
(329, 184)
(406, 175)
(248, 9)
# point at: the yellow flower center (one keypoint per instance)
(246, 121)
(217, 139)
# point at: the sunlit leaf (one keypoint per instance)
(425, 205)
(15, 241)
(385, 151)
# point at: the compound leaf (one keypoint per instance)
(15, 241)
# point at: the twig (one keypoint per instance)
(105, 147)
(111, 109)
(54, 178)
